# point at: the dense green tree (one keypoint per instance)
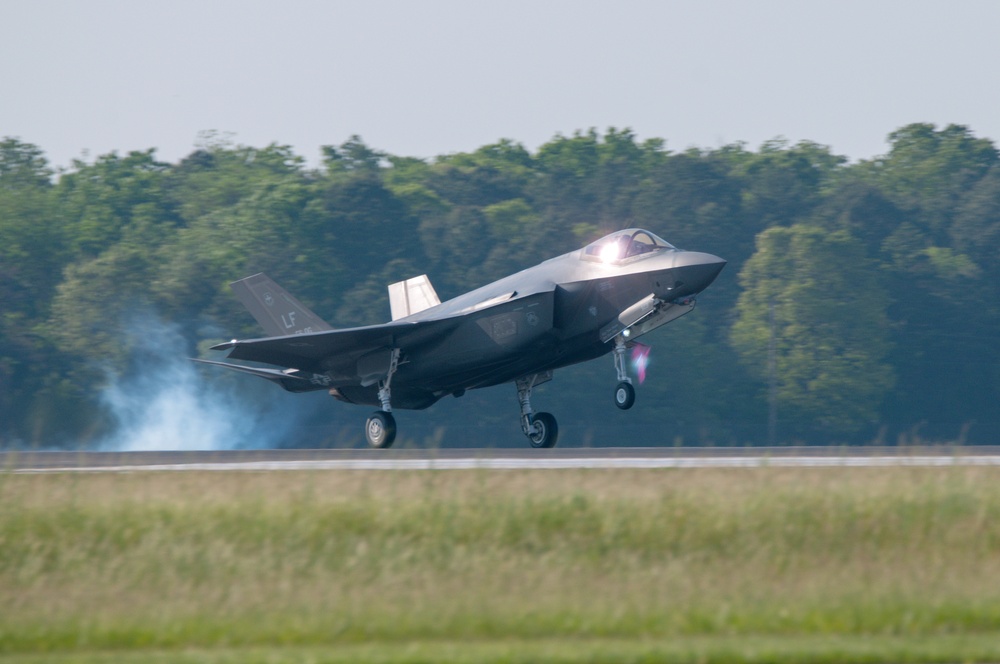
(976, 231)
(352, 157)
(864, 211)
(23, 165)
(887, 267)
(812, 299)
(32, 255)
(31, 240)
(783, 184)
(589, 183)
(928, 171)
(940, 296)
(101, 200)
(693, 200)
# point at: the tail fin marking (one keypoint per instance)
(277, 311)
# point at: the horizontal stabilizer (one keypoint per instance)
(277, 311)
(412, 296)
(290, 379)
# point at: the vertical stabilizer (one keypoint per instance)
(412, 296)
(275, 309)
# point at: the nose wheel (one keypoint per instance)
(625, 392)
(624, 395)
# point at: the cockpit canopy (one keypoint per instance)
(627, 245)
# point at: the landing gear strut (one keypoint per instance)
(380, 430)
(540, 428)
(624, 392)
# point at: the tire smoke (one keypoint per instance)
(163, 401)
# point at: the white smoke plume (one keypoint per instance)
(166, 402)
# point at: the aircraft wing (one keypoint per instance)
(312, 358)
(347, 355)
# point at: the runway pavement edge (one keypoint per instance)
(496, 459)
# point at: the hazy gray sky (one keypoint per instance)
(438, 76)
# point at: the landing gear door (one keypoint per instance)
(644, 316)
(671, 311)
(374, 366)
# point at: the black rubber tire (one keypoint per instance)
(380, 430)
(624, 395)
(547, 430)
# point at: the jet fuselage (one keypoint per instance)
(540, 319)
(566, 310)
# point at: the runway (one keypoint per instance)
(496, 459)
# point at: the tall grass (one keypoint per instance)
(246, 559)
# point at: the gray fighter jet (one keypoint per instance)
(568, 309)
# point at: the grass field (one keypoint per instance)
(766, 564)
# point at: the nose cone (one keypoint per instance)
(697, 270)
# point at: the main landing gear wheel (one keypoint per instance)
(624, 395)
(545, 432)
(540, 428)
(380, 429)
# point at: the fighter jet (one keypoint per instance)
(569, 309)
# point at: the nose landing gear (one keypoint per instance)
(624, 392)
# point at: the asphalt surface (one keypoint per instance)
(444, 459)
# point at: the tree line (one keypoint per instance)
(861, 301)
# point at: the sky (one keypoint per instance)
(432, 77)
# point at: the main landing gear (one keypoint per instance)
(624, 392)
(380, 430)
(540, 428)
